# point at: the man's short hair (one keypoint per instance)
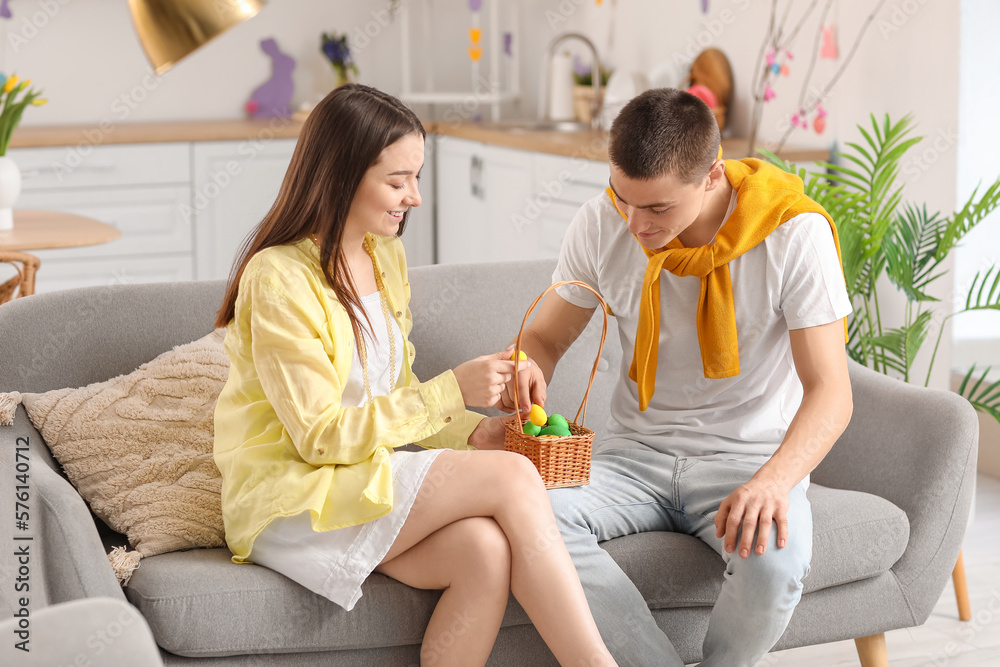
(664, 131)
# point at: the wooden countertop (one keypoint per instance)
(152, 133)
(591, 145)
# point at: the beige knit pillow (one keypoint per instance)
(138, 448)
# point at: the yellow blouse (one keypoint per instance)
(283, 442)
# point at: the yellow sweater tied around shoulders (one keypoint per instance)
(767, 197)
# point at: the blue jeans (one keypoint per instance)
(636, 490)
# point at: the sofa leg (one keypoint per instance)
(961, 589)
(871, 650)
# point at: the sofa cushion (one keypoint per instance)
(199, 603)
(855, 536)
(138, 447)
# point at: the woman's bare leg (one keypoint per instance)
(507, 487)
(470, 560)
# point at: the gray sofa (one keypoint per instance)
(891, 501)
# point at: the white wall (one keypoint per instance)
(978, 147)
(87, 58)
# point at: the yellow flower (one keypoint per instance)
(11, 82)
(38, 103)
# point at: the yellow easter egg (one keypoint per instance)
(520, 357)
(537, 415)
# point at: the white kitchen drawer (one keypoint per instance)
(87, 166)
(67, 274)
(151, 220)
(552, 226)
(570, 180)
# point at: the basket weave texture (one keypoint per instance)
(561, 461)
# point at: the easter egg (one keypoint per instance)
(537, 415)
(819, 124)
(520, 357)
(557, 431)
(548, 436)
(531, 429)
(558, 420)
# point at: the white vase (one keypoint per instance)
(10, 189)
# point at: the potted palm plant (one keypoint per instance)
(883, 235)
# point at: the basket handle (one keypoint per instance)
(581, 413)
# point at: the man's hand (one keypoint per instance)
(753, 507)
(488, 434)
(530, 389)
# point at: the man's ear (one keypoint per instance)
(716, 173)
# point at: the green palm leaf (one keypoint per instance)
(968, 217)
(897, 348)
(975, 299)
(911, 250)
(985, 398)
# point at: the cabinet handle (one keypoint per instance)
(474, 175)
(97, 165)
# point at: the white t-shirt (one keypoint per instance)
(792, 280)
(378, 357)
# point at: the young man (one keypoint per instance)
(726, 284)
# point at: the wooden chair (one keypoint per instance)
(24, 282)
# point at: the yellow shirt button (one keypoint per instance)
(447, 420)
(399, 313)
(383, 274)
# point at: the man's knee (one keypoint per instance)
(566, 506)
(776, 569)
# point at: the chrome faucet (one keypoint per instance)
(543, 98)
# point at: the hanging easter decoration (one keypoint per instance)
(819, 123)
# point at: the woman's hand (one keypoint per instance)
(482, 380)
(489, 434)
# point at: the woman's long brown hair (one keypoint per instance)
(343, 136)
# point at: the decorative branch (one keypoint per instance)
(833, 80)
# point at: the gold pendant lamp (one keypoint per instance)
(171, 29)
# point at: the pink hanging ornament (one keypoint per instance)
(784, 70)
(789, 56)
(768, 92)
(769, 56)
(828, 50)
(819, 124)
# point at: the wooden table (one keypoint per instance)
(40, 230)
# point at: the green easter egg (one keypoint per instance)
(531, 429)
(555, 430)
(558, 420)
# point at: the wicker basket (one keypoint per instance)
(561, 461)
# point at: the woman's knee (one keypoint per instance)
(485, 550)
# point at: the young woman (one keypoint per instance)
(321, 392)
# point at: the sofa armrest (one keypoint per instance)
(98, 632)
(917, 448)
(68, 560)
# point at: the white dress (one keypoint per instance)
(335, 563)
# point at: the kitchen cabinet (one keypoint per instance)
(140, 189)
(235, 184)
(501, 204)
(184, 208)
